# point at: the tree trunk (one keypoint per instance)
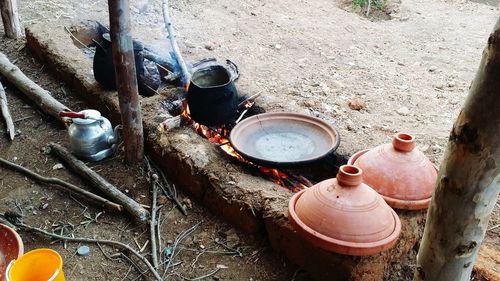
(10, 18)
(468, 183)
(126, 80)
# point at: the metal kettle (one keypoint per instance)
(91, 135)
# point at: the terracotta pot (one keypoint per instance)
(399, 172)
(11, 248)
(344, 215)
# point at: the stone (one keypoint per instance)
(451, 84)
(209, 47)
(232, 238)
(403, 111)
(433, 68)
(83, 251)
(357, 104)
(188, 203)
(57, 166)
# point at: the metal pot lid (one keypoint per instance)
(284, 139)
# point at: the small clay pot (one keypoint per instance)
(344, 215)
(399, 172)
(11, 247)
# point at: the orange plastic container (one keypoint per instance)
(37, 265)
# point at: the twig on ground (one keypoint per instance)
(23, 118)
(4, 108)
(177, 241)
(493, 227)
(152, 225)
(158, 236)
(91, 240)
(58, 182)
(165, 186)
(127, 273)
(199, 277)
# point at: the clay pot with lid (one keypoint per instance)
(399, 172)
(344, 215)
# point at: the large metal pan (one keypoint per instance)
(284, 139)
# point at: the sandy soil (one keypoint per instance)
(411, 67)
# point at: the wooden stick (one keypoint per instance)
(6, 113)
(10, 18)
(186, 76)
(89, 196)
(152, 225)
(37, 94)
(90, 240)
(132, 207)
(126, 80)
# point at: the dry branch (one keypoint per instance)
(186, 76)
(37, 94)
(75, 189)
(91, 240)
(131, 206)
(469, 179)
(6, 113)
(152, 225)
(10, 18)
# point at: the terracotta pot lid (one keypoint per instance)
(11, 247)
(399, 172)
(344, 215)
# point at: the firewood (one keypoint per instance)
(33, 91)
(6, 113)
(91, 197)
(132, 207)
(186, 76)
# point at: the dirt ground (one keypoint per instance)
(411, 65)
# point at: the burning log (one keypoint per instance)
(131, 206)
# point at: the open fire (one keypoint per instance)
(220, 136)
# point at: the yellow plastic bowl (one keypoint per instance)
(37, 265)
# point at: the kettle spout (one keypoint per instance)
(115, 138)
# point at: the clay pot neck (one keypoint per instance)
(403, 142)
(349, 176)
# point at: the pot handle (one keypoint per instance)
(234, 71)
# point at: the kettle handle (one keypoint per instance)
(71, 114)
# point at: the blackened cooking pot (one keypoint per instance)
(212, 96)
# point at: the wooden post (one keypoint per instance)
(10, 18)
(126, 80)
(469, 179)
